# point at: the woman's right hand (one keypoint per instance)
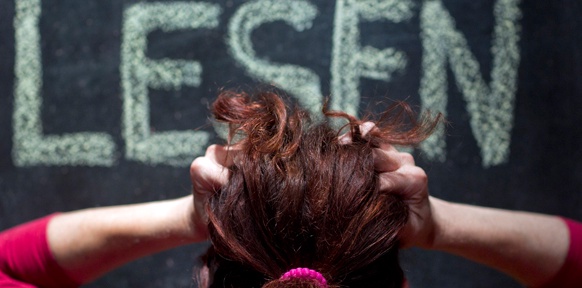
(398, 174)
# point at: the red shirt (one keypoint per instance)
(25, 258)
(570, 275)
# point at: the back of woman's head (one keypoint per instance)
(298, 197)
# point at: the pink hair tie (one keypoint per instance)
(307, 274)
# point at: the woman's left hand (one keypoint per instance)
(208, 173)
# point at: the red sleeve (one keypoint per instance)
(25, 258)
(570, 273)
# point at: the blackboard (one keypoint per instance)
(105, 102)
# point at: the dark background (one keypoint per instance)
(81, 57)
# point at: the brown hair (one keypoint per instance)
(297, 197)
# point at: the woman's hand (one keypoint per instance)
(398, 174)
(208, 173)
(529, 247)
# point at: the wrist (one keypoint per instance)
(193, 228)
(437, 227)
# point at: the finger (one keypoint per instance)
(345, 138)
(367, 127)
(386, 160)
(222, 155)
(407, 159)
(407, 181)
(206, 174)
(391, 160)
(388, 147)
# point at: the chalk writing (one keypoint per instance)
(138, 73)
(350, 61)
(30, 146)
(300, 82)
(490, 107)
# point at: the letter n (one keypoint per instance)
(490, 107)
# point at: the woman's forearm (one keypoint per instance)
(527, 246)
(88, 243)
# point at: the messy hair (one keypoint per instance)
(298, 197)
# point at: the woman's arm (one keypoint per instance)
(85, 244)
(88, 243)
(527, 246)
(69, 249)
(530, 247)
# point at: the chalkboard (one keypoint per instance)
(106, 102)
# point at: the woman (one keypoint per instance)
(298, 207)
